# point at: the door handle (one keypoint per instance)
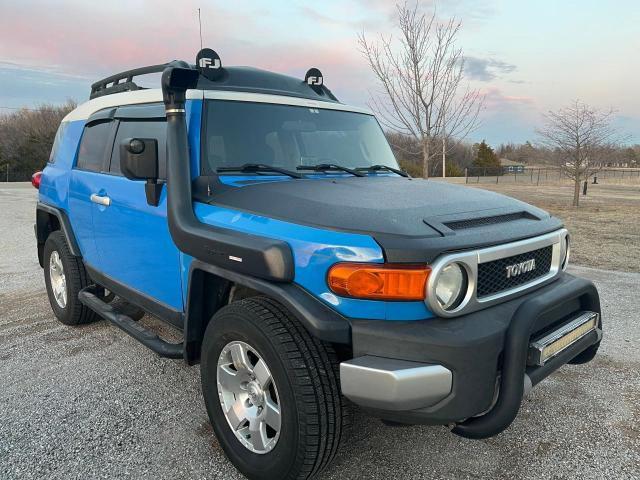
(100, 200)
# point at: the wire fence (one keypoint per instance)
(532, 176)
(12, 174)
(547, 175)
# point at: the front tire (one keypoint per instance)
(256, 354)
(64, 277)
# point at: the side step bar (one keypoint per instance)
(149, 339)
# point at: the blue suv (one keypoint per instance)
(270, 225)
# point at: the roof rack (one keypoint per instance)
(214, 77)
(102, 87)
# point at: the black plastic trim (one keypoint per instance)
(148, 304)
(65, 225)
(318, 318)
(104, 115)
(141, 111)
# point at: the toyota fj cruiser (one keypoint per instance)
(271, 225)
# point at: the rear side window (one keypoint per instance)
(57, 141)
(93, 146)
(141, 129)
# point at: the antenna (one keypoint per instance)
(200, 25)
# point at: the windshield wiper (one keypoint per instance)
(324, 167)
(377, 168)
(258, 168)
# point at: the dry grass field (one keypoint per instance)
(605, 229)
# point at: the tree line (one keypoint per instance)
(26, 137)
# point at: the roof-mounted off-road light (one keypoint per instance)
(209, 64)
(314, 79)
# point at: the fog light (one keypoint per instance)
(556, 342)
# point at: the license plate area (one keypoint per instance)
(544, 348)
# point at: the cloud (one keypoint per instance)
(89, 38)
(23, 86)
(496, 99)
(69, 47)
(486, 69)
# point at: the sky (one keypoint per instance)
(526, 57)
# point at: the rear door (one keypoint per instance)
(92, 158)
(132, 237)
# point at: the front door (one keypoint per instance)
(132, 237)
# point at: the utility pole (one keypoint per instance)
(444, 154)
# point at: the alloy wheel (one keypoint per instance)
(249, 397)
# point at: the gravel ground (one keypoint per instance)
(90, 402)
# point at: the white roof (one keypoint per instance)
(85, 110)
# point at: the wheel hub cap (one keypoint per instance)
(249, 397)
(256, 395)
(57, 279)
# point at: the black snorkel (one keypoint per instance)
(229, 249)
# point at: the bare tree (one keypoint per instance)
(421, 75)
(582, 136)
(26, 137)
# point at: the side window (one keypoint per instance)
(57, 141)
(94, 145)
(141, 129)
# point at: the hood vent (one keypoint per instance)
(484, 221)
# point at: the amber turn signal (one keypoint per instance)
(379, 281)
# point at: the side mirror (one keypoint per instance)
(139, 161)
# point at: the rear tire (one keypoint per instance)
(64, 277)
(313, 416)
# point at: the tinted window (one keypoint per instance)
(57, 141)
(289, 136)
(93, 146)
(141, 129)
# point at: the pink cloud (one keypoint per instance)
(495, 99)
(81, 38)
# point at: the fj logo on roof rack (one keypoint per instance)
(209, 64)
(313, 78)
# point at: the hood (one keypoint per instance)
(401, 214)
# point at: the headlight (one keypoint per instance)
(566, 250)
(451, 286)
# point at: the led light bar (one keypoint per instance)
(547, 347)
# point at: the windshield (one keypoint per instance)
(285, 136)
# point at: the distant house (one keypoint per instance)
(509, 166)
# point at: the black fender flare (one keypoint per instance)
(43, 228)
(319, 319)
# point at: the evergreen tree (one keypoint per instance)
(485, 156)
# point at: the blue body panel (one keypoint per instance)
(315, 250)
(133, 241)
(130, 240)
(54, 185)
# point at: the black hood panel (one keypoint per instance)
(407, 217)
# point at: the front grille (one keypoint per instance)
(492, 276)
(484, 221)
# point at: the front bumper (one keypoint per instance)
(470, 370)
